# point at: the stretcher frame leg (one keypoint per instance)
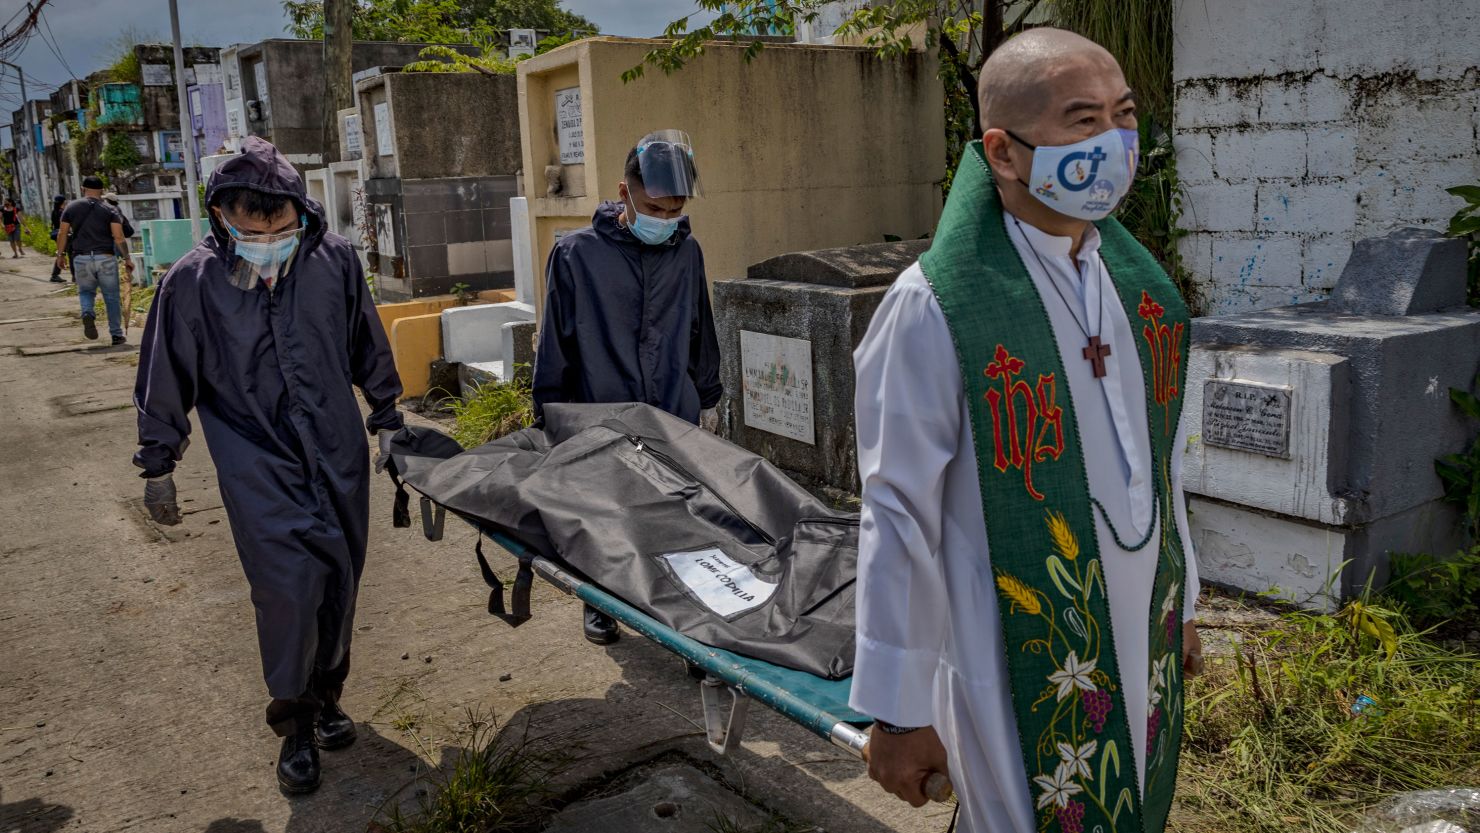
(724, 726)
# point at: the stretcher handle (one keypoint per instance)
(938, 786)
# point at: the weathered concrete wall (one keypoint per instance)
(806, 147)
(294, 119)
(443, 125)
(161, 104)
(1302, 126)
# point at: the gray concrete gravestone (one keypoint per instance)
(786, 334)
(1313, 429)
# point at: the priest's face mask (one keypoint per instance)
(1078, 155)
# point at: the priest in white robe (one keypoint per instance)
(932, 666)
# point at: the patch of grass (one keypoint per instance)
(1273, 743)
(36, 235)
(499, 782)
(492, 411)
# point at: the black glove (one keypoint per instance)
(159, 499)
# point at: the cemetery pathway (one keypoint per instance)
(130, 691)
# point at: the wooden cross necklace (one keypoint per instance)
(1095, 351)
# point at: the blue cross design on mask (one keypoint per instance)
(1094, 157)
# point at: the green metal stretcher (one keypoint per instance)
(819, 705)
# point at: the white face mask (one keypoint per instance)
(1086, 180)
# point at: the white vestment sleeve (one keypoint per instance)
(908, 406)
(1179, 500)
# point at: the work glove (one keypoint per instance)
(383, 456)
(159, 499)
(709, 420)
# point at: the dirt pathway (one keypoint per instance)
(130, 692)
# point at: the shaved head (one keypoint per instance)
(1021, 78)
(1047, 88)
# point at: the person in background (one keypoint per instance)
(111, 199)
(58, 203)
(11, 215)
(91, 236)
(265, 329)
(627, 315)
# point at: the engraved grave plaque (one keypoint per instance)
(1245, 417)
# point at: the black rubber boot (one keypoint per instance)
(298, 763)
(90, 326)
(600, 628)
(335, 729)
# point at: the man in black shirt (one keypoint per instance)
(91, 234)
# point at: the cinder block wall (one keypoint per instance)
(1304, 125)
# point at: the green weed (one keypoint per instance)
(492, 411)
(499, 782)
(36, 235)
(1276, 740)
(1433, 590)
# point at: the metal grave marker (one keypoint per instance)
(776, 385)
(1247, 417)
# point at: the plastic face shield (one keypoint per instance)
(666, 159)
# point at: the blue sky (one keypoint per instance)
(85, 32)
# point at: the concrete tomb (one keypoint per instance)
(786, 337)
(1313, 429)
(440, 154)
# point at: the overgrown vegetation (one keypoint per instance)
(1461, 472)
(126, 69)
(1279, 740)
(492, 411)
(36, 234)
(119, 153)
(1466, 224)
(447, 59)
(1433, 590)
(499, 782)
(439, 21)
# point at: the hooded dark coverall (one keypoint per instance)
(272, 375)
(627, 322)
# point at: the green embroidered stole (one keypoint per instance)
(1066, 689)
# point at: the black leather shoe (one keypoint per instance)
(600, 628)
(90, 326)
(335, 729)
(117, 340)
(298, 764)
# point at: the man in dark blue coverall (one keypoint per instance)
(264, 329)
(627, 316)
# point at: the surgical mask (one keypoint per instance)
(267, 252)
(651, 230)
(1086, 180)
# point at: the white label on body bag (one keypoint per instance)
(724, 586)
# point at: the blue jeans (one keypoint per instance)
(94, 271)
